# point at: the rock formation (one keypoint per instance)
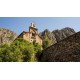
(63, 33)
(7, 36)
(57, 35)
(67, 50)
(47, 34)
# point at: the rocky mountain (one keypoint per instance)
(57, 35)
(66, 50)
(47, 34)
(63, 33)
(7, 36)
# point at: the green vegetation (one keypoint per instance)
(20, 51)
(46, 43)
(38, 50)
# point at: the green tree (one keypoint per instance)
(10, 54)
(4, 50)
(46, 43)
(20, 50)
(25, 47)
(37, 49)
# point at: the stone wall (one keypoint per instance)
(38, 40)
(28, 37)
(33, 30)
(67, 50)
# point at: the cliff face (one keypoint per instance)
(66, 50)
(63, 33)
(7, 36)
(57, 35)
(47, 34)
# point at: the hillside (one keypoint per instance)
(7, 36)
(65, 45)
(67, 50)
(57, 35)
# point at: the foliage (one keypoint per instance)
(25, 47)
(37, 49)
(46, 43)
(10, 53)
(20, 50)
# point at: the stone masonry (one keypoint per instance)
(32, 35)
(67, 50)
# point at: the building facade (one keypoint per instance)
(32, 35)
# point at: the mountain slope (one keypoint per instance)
(57, 35)
(67, 50)
(7, 36)
(47, 34)
(63, 33)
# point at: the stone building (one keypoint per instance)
(32, 35)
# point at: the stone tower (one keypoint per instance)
(32, 35)
(33, 29)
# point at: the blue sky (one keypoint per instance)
(19, 24)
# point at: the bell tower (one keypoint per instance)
(33, 28)
(33, 25)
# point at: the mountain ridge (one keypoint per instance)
(57, 35)
(7, 36)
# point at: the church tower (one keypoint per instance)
(33, 29)
(32, 35)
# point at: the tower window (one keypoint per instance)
(33, 34)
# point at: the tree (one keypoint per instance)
(20, 50)
(25, 47)
(37, 49)
(46, 43)
(10, 53)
